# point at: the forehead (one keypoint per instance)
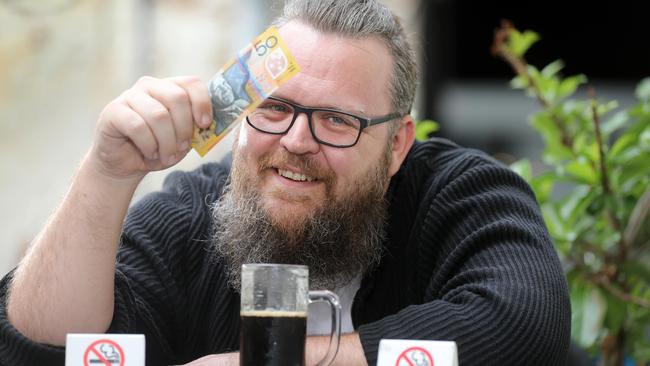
(337, 71)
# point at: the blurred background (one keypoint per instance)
(61, 61)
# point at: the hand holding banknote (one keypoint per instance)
(149, 126)
(153, 125)
(243, 83)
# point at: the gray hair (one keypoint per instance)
(361, 19)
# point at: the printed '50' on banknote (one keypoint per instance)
(243, 83)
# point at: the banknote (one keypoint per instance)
(243, 83)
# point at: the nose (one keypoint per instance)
(299, 139)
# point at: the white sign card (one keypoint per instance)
(104, 350)
(404, 352)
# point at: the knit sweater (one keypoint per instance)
(467, 259)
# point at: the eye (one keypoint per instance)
(277, 107)
(339, 120)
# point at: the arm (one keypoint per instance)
(66, 281)
(350, 353)
(479, 269)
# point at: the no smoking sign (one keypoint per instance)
(415, 356)
(406, 352)
(104, 352)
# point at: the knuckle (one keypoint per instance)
(137, 127)
(149, 149)
(178, 96)
(191, 80)
(159, 114)
(110, 108)
(144, 80)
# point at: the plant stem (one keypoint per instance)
(604, 177)
(603, 280)
(520, 66)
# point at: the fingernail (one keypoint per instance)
(171, 159)
(183, 146)
(206, 120)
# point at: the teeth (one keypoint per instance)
(295, 176)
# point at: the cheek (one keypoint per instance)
(255, 143)
(351, 167)
(347, 166)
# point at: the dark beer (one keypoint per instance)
(272, 338)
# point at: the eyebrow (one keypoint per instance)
(360, 112)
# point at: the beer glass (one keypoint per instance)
(274, 299)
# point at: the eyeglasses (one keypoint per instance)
(328, 126)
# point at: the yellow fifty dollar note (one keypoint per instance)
(243, 83)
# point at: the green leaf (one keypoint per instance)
(642, 91)
(644, 139)
(616, 313)
(636, 269)
(614, 123)
(553, 68)
(543, 185)
(569, 85)
(523, 168)
(627, 140)
(545, 125)
(582, 170)
(585, 144)
(637, 165)
(587, 314)
(519, 43)
(554, 151)
(424, 128)
(535, 76)
(604, 108)
(576, 204)
(554, 222)
(519, 82)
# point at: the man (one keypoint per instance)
(433, 241)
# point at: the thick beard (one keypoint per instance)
(339, 241)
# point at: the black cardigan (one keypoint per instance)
(468, 259)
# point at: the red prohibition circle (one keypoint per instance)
(91, 349)
(404, 356)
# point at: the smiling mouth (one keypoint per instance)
(295, 176)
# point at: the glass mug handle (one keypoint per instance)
(335, 335)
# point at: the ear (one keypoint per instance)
(402, 142)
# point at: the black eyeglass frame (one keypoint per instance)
(297, 109)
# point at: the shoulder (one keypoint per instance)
(437, 162)
(440, 176)
(442, 155)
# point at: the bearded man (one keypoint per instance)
(421, 240)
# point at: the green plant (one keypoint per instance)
(425, 128)
(594, 190)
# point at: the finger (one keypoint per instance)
(199, 98)
(159, 120)
(130, 124)
(177, 102)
